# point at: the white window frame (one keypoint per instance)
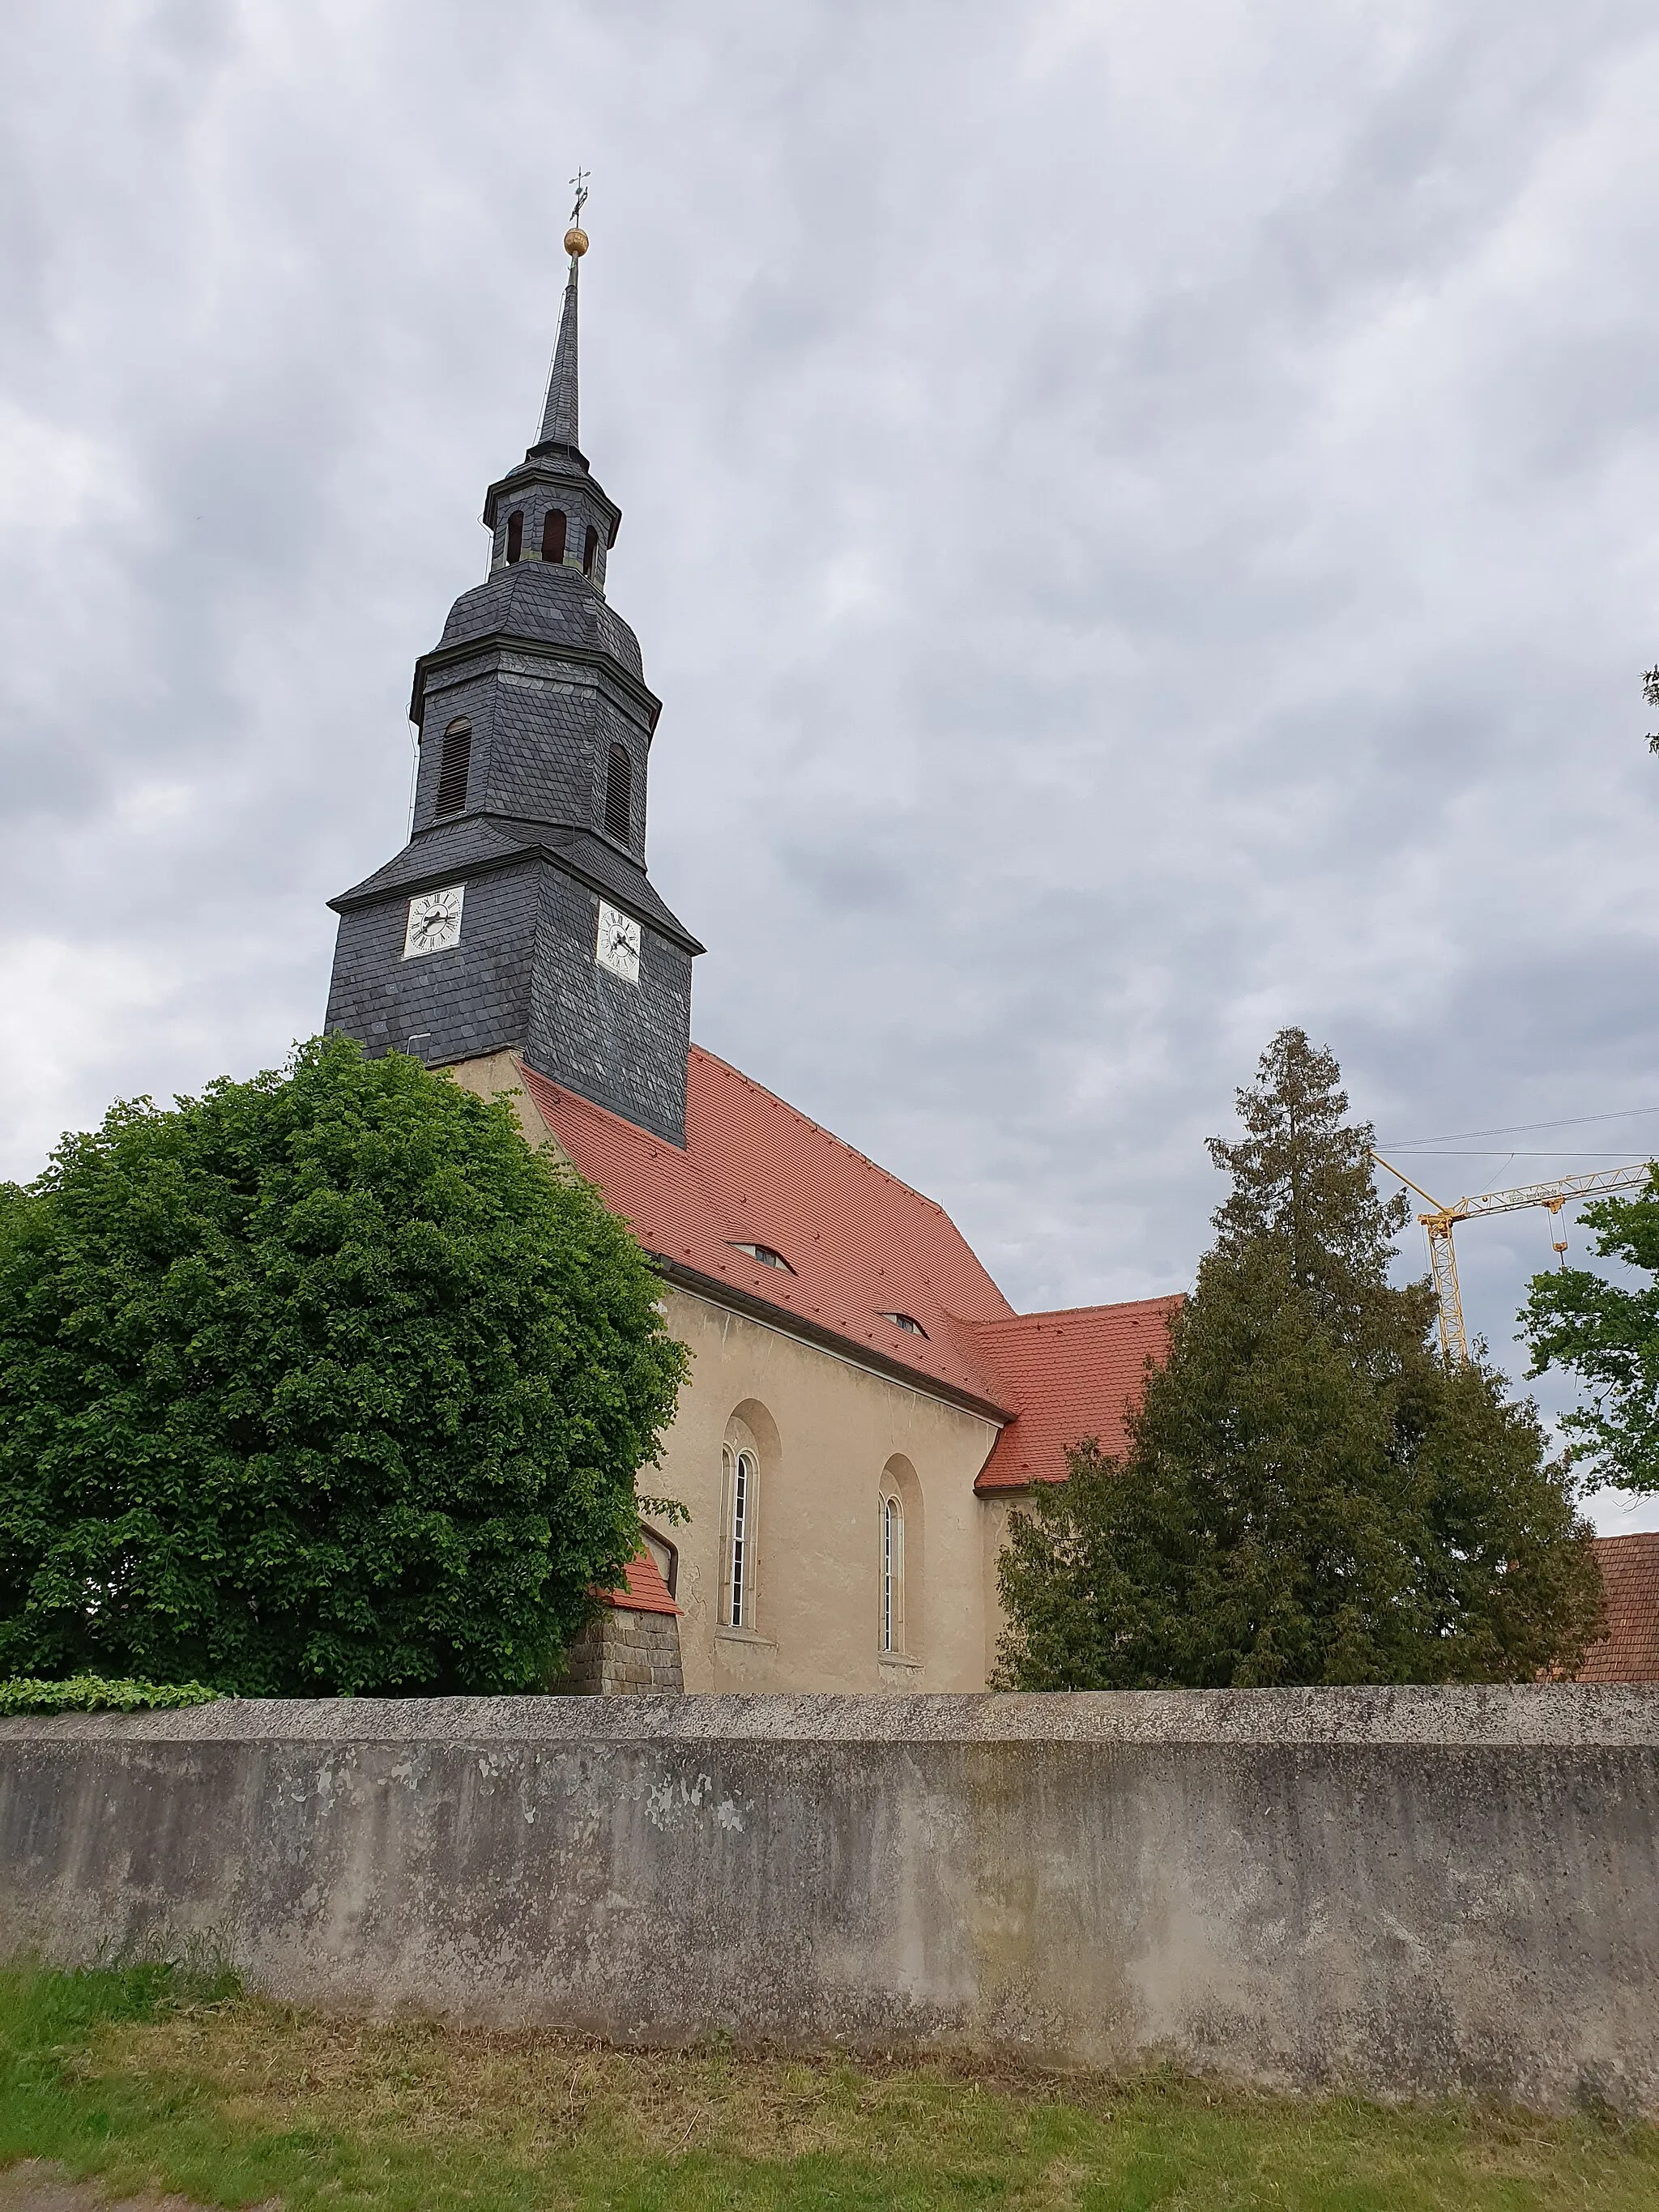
(893, 1574)
(741, 1472)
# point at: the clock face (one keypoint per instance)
(618, 945)
(434, 922)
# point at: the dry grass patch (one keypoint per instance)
(535, 2091)
(240, 2101)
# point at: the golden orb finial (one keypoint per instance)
(575, 242)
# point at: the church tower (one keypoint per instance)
(519, 916)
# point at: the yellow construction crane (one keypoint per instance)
(1564, 1190)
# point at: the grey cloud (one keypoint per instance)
(1142, 523)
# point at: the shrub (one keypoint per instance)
(90, 1693)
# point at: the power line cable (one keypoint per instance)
(1492, 1151)
(1516, 1128)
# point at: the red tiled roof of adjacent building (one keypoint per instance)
(646, 1591)
(1630, 1575)
(1074, 1375)
(860, 1246)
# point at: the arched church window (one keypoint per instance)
(516, 534)
(590, 547)
(741, 1472)
(453, 767)
(618, 794)
(554, 526)
(892, 1573)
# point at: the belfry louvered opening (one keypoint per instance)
(453, 768)
(618, 794)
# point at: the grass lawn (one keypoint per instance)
(146, 2080)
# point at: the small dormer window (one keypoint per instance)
(590, 547)
(554, 526)
(453, 768)
(516, 534)
(765, 1256)
(907, 1322)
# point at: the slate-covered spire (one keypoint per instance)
(559, 416)
(520, 917)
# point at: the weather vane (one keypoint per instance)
(575, 239)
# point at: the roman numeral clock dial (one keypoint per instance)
(618, 945)
(434, 922)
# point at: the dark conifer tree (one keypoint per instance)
(1311, 1494)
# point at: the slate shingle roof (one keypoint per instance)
(472, 842)
(547, 603)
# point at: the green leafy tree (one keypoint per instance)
(324, 1383)
(1606, 1334)
(1310, 1493)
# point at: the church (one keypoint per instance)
(864, 1405)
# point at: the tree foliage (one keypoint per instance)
(1310, 1494)
(91, 1693)
(1606, 1334)
(319, 1383)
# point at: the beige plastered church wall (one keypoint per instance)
(830, 1436)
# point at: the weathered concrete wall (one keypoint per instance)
(1412, 1890)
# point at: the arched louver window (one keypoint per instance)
(553, 534)
(618, 794)
(453, 769)
(516, 534)
(590, 547)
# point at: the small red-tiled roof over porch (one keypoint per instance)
(643, 1590)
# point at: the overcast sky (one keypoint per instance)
(1143, 518)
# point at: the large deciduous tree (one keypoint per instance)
(1606, 1334)
(1310, 1493)
(322, 1383)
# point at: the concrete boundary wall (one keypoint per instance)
(1407, 1890)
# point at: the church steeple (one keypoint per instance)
(560, 415)
(519, 916)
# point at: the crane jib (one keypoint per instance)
(1563, 1190)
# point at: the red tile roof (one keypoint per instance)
(753, 1171)
(646, 1591)
(861, 1245)
(1073, 1374)
(1630, 1573)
